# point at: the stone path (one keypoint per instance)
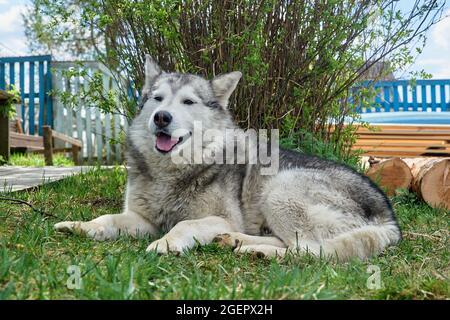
(15, 178)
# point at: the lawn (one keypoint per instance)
(34, 260)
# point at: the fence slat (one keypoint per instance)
(58, 111)
(88, 122)
(31, 92)
(105, 79)
(414, 98)
(49, 97)
(108, 137)
(22, 94)
(41, 96)
(78, 115)
(396, 98)
(98, 135)
(405, 97)
(424, 97)
(387, 98)
(69, 109)
(2, 76)
(89, 134)
(117, 142)
(443, 99)
(433, 97)
(12, 75)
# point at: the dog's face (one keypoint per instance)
(172, 103)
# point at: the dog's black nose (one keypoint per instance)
(162, 119)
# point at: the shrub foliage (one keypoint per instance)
(299, 58)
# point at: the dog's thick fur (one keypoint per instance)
(310, 205)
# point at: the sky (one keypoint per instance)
(435, 58)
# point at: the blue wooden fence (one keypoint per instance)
(405, 95)
(34, 83)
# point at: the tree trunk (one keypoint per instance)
(390, 174)
(431, 180)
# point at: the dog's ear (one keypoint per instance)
(152, 71)
(223, 86)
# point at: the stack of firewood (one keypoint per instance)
(429, 178)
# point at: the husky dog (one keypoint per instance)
(310, 204)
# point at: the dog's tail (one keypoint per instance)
(362, 242)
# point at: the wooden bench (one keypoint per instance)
(13, 138)
(404, 141)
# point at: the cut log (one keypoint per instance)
(431, 180)
(390, 174)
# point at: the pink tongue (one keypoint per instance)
(165, 143)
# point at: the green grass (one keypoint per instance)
(34, 259)
(37, 160)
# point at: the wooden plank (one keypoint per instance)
(18, 140)
(55, 150)
(65, 138)
(404, 149)
(407, 137)
(402, 154)
(400, 143)
(408, 127)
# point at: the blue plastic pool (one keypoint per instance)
(432, 118)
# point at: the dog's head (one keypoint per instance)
(173, 102)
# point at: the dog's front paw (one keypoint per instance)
(227, 240)
(261, 251)
(166, 246)
(88, 229)
(69, 227)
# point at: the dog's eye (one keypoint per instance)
(188, 102)
(158, 98)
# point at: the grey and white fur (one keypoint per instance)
(311, 205)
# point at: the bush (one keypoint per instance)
(299, 58)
